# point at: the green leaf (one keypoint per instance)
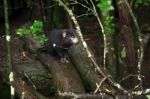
(109, 25)
(105, 6)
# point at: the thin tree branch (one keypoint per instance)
(104, 36)
(8, 40)
(99, 85)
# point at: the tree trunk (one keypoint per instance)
(111, 58)
(48, 15)
(127, 52)
(8, 35)
(36, 10)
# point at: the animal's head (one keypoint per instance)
(69, 37)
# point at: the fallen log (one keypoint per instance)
(65, 76)
(94, 80)
(29, 75)
(32, 81)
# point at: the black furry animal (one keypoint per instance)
(59, 41)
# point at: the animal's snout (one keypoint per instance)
(74, 40)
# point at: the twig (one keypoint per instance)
(99, 85)
(86, 14)
(71, 95)
(50, 6)
(103, 33)
(29, 80)
(84, 6)
(143, 92)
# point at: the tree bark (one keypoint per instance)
(129, 61)
(85, 68)
(47, 8)
(66, 78)
(32, 81)
(8, 35)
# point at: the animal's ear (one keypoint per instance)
(64, 34)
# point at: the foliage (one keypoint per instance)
(109, 25)
(106, 6)
(142, 2)
(33, 31)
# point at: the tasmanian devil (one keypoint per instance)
(59, 41)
